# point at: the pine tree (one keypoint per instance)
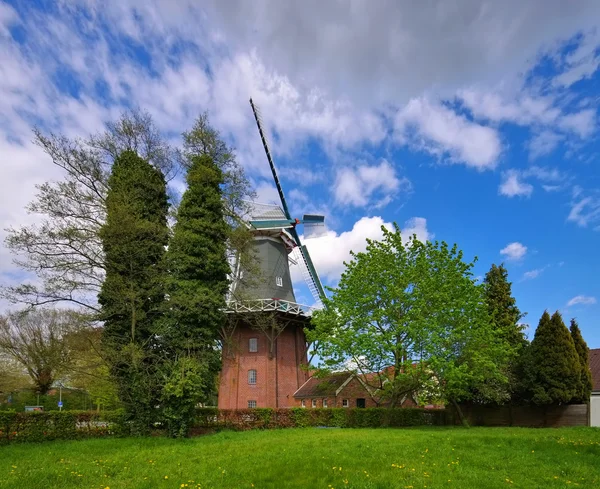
(134, 238)
(505, 316)
(553, 365)
(502, 306)
(584, 386)
(197, 288)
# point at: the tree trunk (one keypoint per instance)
(461, 416)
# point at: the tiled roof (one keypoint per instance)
(322, 386)
(595, 368)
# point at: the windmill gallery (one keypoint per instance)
(265, 353)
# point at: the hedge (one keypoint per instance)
(65, 425)
(266, 418)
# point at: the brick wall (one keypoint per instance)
(277, 378)
(352, 391)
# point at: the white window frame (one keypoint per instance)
(345, 403)
(324, 403)
(314, 403)
(279, 281)
(253, 345)
(303, 403)
(252, 376)
(251, 404)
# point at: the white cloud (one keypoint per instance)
(585, 211)
(514, 251)
(356, 186)
(582, 62)
(581, 123)
(543, 143)
(440, 131)
(531, 274)
(329, 252)
(512, 186)
(584, 300)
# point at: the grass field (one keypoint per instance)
(315, 458)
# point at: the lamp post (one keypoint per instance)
(60, 396)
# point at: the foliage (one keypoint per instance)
(584, 384)
(134, 238)
(64, 250)
(65, 425)
(408, 313)
(72, 399)
(552, 368)
(315, 458)
(267, 418)
(197, 285)
(36, 339)
(505, 317)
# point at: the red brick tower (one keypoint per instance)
(264, 346)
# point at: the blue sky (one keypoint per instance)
(473, 123)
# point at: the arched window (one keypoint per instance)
(252, 377)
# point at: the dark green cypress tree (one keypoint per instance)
(553, 364)
(134, 239)
(502, 306)
(505, 316)
(584, 386)
(197, 288)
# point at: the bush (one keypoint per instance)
(65, 425)
(266, 418)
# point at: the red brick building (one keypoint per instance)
(343, 389)
(264, 369)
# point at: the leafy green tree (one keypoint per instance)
(584, 386)
(197, 288)
(134, 239)
(553, 368)
(408, 314)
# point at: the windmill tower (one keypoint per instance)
(264, 346)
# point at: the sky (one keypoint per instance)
(469, 122)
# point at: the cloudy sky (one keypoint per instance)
(470, 122)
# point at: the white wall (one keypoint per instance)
(595, 410)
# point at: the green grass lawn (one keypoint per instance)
(315, 458)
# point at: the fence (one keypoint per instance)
(527, 416)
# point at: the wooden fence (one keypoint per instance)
(532, 416)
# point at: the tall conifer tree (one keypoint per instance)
(134, 239)
(584, 386)
(553, 365)
(197, 288)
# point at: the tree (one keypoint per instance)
(584, 385)
(197, 288)
(553, 366)
(36, 340)
(134, 239)
(505, 316)
(408, 314)
(64, 250)
(502, 307)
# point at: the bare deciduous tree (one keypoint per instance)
(36, 339)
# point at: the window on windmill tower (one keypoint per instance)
(279, 281)
(253, 345)
(252, 377)
(251, 404)
(314, 403)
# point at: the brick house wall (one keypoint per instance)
(277, 378)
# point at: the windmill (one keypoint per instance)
(275, 222)
(264, 365)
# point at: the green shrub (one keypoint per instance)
(65, 425)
